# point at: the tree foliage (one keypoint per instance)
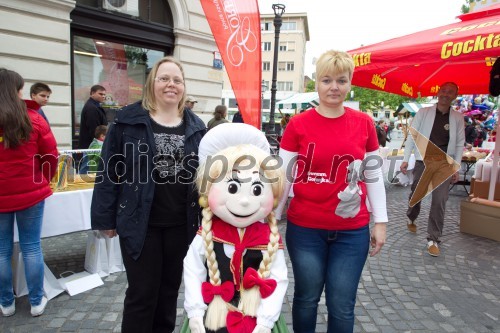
(465, 8)
(311, 86)
(370, 99)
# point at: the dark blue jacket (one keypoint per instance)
(124, 190)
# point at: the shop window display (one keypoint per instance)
(120, 68)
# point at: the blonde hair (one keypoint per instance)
(227, 158)
(149, 98)
(335, 62)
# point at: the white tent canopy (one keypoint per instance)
(300, 100)
(411, 107)
(308, 100)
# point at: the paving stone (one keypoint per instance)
(369, 327)
(56, 322)
(70, 326)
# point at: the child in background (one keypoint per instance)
(93, 158)
(40, 93)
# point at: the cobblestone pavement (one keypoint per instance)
(403, 289)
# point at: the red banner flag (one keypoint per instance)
(235, 25)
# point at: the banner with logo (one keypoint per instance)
(235, 25)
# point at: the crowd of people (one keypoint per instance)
(156, 209)
(480, 121)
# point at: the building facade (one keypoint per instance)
(294, 34)
(71, 45)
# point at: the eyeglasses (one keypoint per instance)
(166, 79)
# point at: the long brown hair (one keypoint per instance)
(220, 112)
(149, 99)
(14, 120)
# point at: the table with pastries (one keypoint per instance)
(68, 209)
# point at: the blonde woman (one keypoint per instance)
(235, 267)
(146, 195)
(328, 234)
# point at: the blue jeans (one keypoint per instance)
(29, 225)
(326, 259)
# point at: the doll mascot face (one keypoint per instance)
(243, 195)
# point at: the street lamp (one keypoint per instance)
(279, 9)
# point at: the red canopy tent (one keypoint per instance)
(417, 64)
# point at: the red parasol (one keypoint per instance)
(419, 63)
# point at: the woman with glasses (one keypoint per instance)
(145, 194)
(327, 234)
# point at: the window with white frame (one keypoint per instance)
(266, 66)
(286, 66)
(284, 85)
(266, 26)
(266, 46)
(289, 26)
(287, 46)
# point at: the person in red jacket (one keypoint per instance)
(28, 160)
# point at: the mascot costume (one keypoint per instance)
(235, 275)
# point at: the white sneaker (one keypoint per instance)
(8, 311)
(38, 309)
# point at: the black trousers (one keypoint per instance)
(154, 279)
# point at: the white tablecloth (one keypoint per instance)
(65, 212)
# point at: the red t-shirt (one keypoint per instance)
(326, 146)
